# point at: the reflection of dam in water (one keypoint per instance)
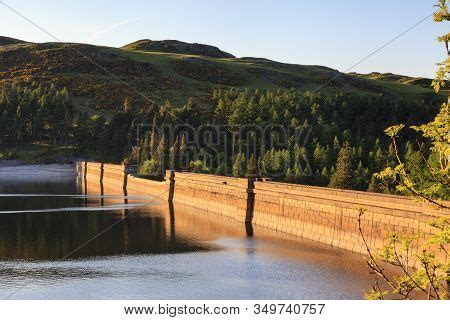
(154, 250)
(325, 215)
(181, 219)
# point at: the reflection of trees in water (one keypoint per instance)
(53, 235)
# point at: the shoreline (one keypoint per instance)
(11, 163)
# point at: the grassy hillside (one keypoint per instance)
(390, 77)
(99, 78)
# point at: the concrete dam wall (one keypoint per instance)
(325, 215)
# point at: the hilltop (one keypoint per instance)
(149, 72)
(175, 46)
(4, 41)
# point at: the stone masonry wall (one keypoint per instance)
(114, 174)
(94, 170)
(331, 216)
(325, 215)
(156, 189)
(220, 195)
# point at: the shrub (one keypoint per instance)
(198, 166)
(150, 168)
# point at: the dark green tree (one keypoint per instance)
(153, 138)
(239, 166)
(144, 152)
(161, 155)
(342, 178)
(175, 156)
(252, 169)
(184, 157)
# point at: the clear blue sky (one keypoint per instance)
(328, 32)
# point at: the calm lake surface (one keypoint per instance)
(61, 240)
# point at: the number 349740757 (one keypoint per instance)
(281, 308)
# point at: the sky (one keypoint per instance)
(332, 33)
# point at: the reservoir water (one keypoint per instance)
(58, 241)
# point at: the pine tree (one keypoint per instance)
(346, 136)
(236, 165)
(380, 160)
(277, 162)
(144, 152)
(243, 165)
(239, 165)
(391, 158)
(361, 177)
(417, 168)
(252, 170)
(161, 155)
(375, 185)
(153, 139)
(183, 153)
(221, 169)
(343, 176)
(336, 144)
(321, 156)
(175, 155)
(290, 177)
(332, 170)
(267, 164)
(324, 173)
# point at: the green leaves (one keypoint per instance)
(431, 180)
(441, 77)
(421, 270)
(394, 130)
(375, 294)
(442, 13)
(427, 253)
